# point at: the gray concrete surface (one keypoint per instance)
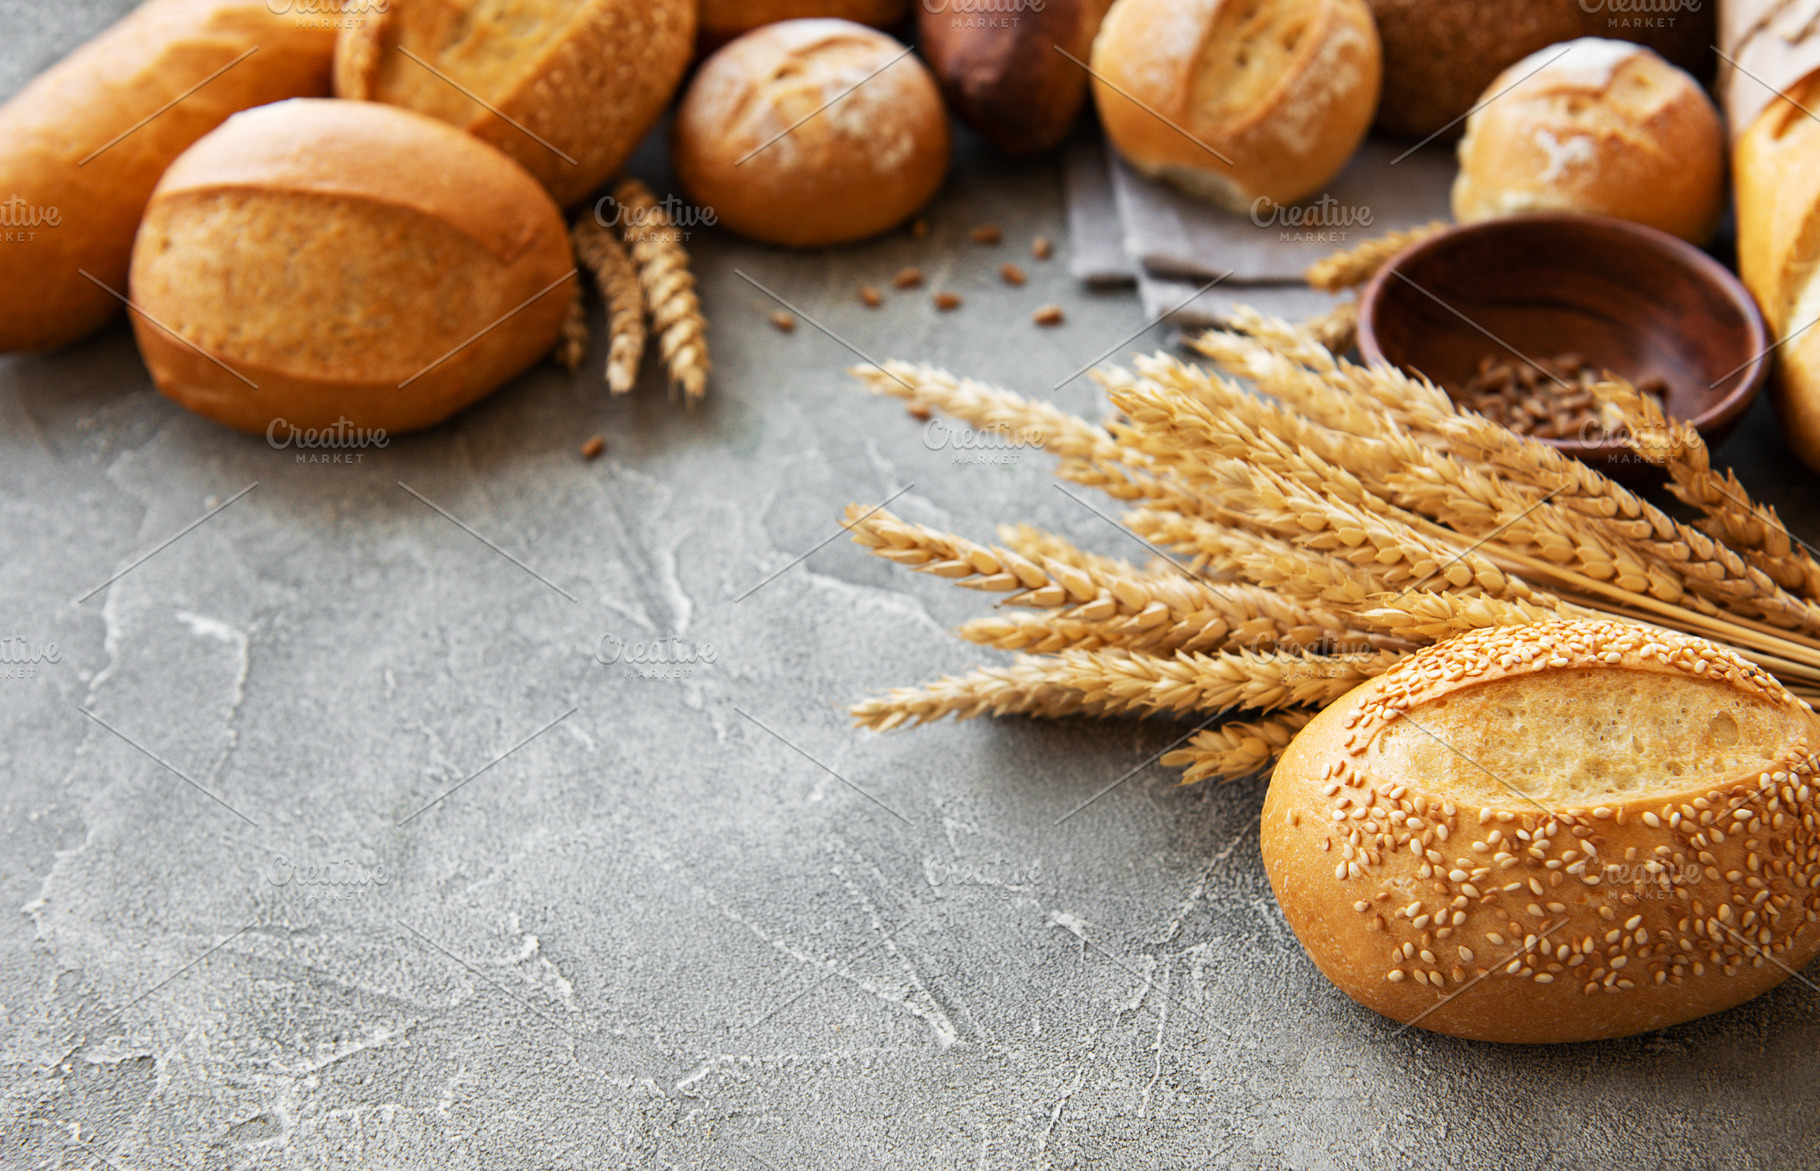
(664, 932)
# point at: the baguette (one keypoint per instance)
(1004, 75)
(1560, 832)
(83, 144)
(317, 263)
(1776, 171)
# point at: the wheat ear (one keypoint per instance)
(571, 348)
(1355, 266)
(602, 254)
(669, 288)
(1237, 749)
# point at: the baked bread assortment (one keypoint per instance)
(1440, 55)
(1597, 126)
(722, 20)
(79, 158)
(318, 268)
(565, 88)
(1237, 100)
(1777, 174)
(780, 137)
(1020, 81)
(1558, 832)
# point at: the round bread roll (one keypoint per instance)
(1595, 126)
(749, 141)
(318, 263)
(1440, 55)
(1559, 832)
(722, 20)
(565, 87)
(1236, 101)
(82, 146)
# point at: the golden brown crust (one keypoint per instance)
(1596, 126)
(95, 96)
(345, 260)
(1470, 907)
(1284, 91)
(765, 137)
(1778, 214)
(582, 85)
(1003, 74)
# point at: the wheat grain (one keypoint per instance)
(1355, 266)
(1038, 545)
(669, 288)
(1237, 749)
(601, 254)
(571, 348)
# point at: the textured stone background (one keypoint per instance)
(658, 935)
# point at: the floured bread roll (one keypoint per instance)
(1559, 832)
(1237, 100)
(1595, 126)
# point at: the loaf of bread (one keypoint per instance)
(765, 137)
(315, 263)
(1440, 55)
(1237, 100)
(1776, 168)
(1559, 832)
(722, 20)
(1006, 74)
(1599, 127)
(79, 157)
(566, 87)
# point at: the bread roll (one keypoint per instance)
(757, 140)
(1003, 74)
(1440, 55)
(344, 261)
(1777, 171)
(722, 20)
(73, 200)
(1560, 832)
(1595, 126)
(569, 86)
(1283, 89)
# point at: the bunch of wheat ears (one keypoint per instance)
(1315, 520)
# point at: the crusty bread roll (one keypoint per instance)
(722, 20)
(569, 86)
(1777, 171)
(1559, 832)
(1283, 89)
(1595, 126)
(329, 260)
(73, 200)
(1003, 74)
(757, 140)
(1440, 55)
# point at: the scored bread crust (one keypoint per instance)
(777, 135)
(599, 83)
(55, 152)
(1601, 127)
(410, 186)
(1161, 76)
(1499, 918)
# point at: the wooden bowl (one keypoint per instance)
(1629, 299)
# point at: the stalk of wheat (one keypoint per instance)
(1321, 519)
